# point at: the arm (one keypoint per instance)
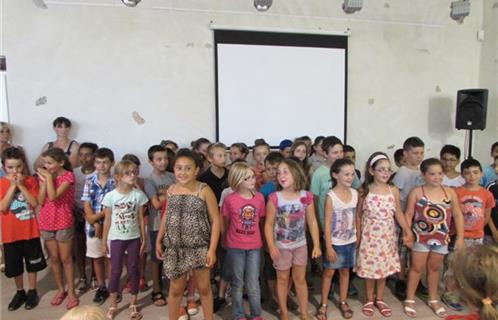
(316, 203)
(313, 227)
(269, 225)
(329, 211)
(107, 226)
(214, 217)
(160, 236)
(7, 199)
(42, 193)
(73, 154)
(359, 217)
(410, 205)
(494, 231)
(141, 211)
(457, 218)
(401, 219)
(54, 193)
(487, 215)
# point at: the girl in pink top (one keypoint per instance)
(56, 220)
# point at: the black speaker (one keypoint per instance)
(471, 109)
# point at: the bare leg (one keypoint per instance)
(55, 263)
(176, 288)
(282, 292)
(65, 251)
(203, 281)
(327, 276)
(299, 278)
(418, 262)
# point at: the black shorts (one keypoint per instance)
(28, 250)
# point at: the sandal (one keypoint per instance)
(111, 312)
(384, 309)
(368, 309)
(321, 312)
(58, 298)
(72, 302)
(436, 308)
(158, 299)
(134, 313)
(409, 308)
(346, 311)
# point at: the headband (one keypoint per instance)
(487, 301)
(377, 158)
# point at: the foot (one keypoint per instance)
(437, 308)
(346, 311)
(83, 286)
(368, 309)
(183, 315)
(58, 298)
(18, 300)
(127, 287)
(384, 309)
(192, 307)
(32, 299)
(101, 295)
(158, 299)
(111, 312)
(409, 308)
(321, 312)
(72, 302)
(135, 313)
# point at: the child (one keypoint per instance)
(350, 153)
(271, 165)
(284, 147)
(398, 158)
(300, 151)
(259, 152)
(490, 174)
(96, 187)
(200, 147)
(430, 211)
(169, 144)
(407, 178)
(288, 212)
(450, 156)
(242, 211)
(190, 230)
(56, 220)
(81, 174)
(475, 272)
(155, 188)
(216, 175)
(84, 313)
(20, 235)
(491, 229)
(339, 235)
(317, 155)
(238, 151)
(125, 231)
(378, 211)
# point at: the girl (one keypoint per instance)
(238, 151)
(124, 229)
(200, 147)
(339, 234)
(300, 151)
(287, 212)
(259, 152)
(378, 208)
(475, 272)
(317, 157)
(189, 230)
(429, 212)
(56, 220)
(242, 211)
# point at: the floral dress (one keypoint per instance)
(378, 253)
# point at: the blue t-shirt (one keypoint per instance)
(489, 176)
(268, 188)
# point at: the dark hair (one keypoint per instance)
(304, 164)
(470, 162)
(133, 158)
(494, 146)
(336, 168)
(164, 143)
(368, 176)
(89, 145)
(60, 156)
(304, 138)
(153, 149)
(424, 166)
(13, 153)
(348, 148)
(104, 153)
(413, 142)
(274, 157)
(196, 144)
(187, 153)
(451, 149)
(329, 142)
(398, 156)
(241, 146)
(297, 173)
(171, 157)
(316, 142)
(62, 120)
(260, 143)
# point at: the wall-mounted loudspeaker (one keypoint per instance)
(471, 109)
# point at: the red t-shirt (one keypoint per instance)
(19, 221)
(243, 230)
(58, 214)
(473, 205)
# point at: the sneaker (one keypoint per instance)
(452, 301)
(18, 300)
(192, 308)
(32, 299)
(183, 315)
(101, 296)
(400, 290)
(218, 303)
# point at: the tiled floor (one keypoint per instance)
(46, 311)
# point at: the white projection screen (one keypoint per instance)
(279, 86)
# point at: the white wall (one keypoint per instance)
(97, 62)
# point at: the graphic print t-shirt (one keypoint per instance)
(473, 204)
(243, 231)
(343, 219)
(290, 219)
(124, 213)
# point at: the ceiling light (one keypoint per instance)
(262, 5)
(130, 3)
(459, 10)
(351, 6)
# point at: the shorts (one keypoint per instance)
(94, 248)
(152, 239)
(291, 257)
(422, 247)
(268, 270)
(28, 250)
(346, 257)
(59, 235)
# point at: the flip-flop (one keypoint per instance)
(58, 298)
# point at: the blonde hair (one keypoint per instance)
(238, 173)
(122, 166)
(86, 312)
(215, 145)
(475, 274)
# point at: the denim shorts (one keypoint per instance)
(346, 257)
(422, 247)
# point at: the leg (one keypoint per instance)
(384, 309)
(176, 288)
(237, 259)
(346, 311)
(19, 282)
(299, 279)
(253, 258)
(418, 262)
(327, 276)
(99, 267)
(31, 280)
(55, 264)
(79, 250)
(282, 291)
(434, 263)
(368, 307)
(133, 262)
(203, 281)
(117, 250)
(65, 252)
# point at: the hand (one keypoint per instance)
(331, 255)
(159, 250)
(316, 252)
(210, 258)
(98, 230)
(142, 246)
(104, 248)
(459, 244)
(12, 178)
(408, 239)
(19, 179)
(274, 253)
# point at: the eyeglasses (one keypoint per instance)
(384, 170)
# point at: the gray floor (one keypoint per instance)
(46, 311)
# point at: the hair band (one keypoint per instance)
(377, 158)
(487, 301)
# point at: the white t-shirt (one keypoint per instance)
(343, 219)
(455, 182)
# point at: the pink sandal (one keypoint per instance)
(72, 302)
(384, 309)
(368, 309)
(58, 298)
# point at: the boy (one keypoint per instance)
(81, 174)
(96, 187)
(284, 147)
(155, 187)
(350, 153)
(490, 172)
(271, 164)
(476, 204)
(491, 229)
(20, 234)
(216, 175)
(407, 178)
(450, 157)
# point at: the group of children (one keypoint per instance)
(195, 214)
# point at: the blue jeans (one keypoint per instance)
(245, 271)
